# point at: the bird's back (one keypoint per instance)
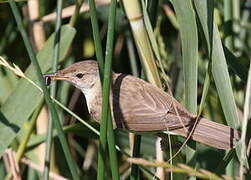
(140, 106)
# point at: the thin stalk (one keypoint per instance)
(136, 153)
(225, 161)
(112, 149)
(236, 21)
(23, 145)
(205, 91)
(51, 106)
(78, 148)
(180, 168)
(246, 117)
(131, 53)
(228, 17)
(239, 44)
(105, 122)
(228, 25)
(74, 17)
(96, 37)
(170, 155)
(49, 139)
(63, 91)
(100, 58)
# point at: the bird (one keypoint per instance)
(138, 106)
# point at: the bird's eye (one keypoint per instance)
(79, 75)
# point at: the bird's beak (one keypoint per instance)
(53, 76)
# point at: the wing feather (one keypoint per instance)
(140, 106)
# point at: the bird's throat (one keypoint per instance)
(91, 93)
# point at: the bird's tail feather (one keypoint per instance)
(211, 133)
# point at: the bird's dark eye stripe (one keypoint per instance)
(79, 75)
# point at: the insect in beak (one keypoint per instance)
(52, 77)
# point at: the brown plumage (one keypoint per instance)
(141, 107)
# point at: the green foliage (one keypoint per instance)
(25, 98)
(201, 49)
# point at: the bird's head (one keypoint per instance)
(83, 74)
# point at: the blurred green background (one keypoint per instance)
(202, 53)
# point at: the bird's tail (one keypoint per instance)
(211, 133)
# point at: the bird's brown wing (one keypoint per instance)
(140, 106)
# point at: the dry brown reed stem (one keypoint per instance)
(37, 29)
(171, 16)
(249, 148)
(135, 17)
(41, 128)
(67, 12)
(145, 51)
(131, 137)
(160, 158)
(40, 169)
(11, 164)
(180, 168)
(91, 151)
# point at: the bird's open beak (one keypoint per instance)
(53, 76)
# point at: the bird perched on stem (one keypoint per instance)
(139, 106)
